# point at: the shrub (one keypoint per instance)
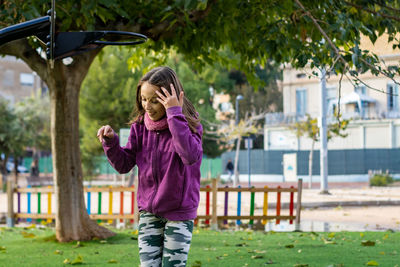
(381, 180)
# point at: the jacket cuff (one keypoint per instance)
(110, 142)
(176, 110)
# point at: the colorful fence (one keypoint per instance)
(46, 193)
(251, 217)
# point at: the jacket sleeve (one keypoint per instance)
(122, 159)
(187, 144)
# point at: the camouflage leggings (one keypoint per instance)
(163, 242)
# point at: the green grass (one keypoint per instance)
(37, 247)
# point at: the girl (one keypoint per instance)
(165, 143)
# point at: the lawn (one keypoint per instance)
(37, 247)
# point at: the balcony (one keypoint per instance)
(279, 118)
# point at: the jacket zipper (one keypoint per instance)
(155, 172)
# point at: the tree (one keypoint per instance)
(25, 124)
(107, 97)
(34, 114)
(7, 124)
(229, 132)
(310, 129)
(112, 85)
(326, 33)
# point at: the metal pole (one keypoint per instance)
(248, 157)
(238, 97)
(237, 111)
(323, 136)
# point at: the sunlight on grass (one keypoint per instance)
(38, 247)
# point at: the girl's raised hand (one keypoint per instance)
(105, 132)
(170, 100)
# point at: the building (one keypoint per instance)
(17, 80)
(373, 141)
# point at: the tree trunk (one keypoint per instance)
(236, 180)
(310, 163)
(64, 82)
(72, 220)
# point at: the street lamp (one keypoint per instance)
(238, 98)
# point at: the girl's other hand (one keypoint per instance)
(170, 100)
(105, 132)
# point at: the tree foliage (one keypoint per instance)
(27, 124)
(325, 34)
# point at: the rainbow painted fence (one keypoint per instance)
(97, 197)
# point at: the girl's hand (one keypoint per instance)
(168, 100)
(105, 132)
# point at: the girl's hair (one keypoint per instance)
(163, 77)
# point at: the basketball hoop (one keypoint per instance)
(66, 44)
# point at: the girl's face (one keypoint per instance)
(149, 101)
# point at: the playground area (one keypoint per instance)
(350, 207)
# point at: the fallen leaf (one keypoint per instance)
(2, 249)
(27, 235)
(219, 258)
(362, 234)
(67, 261)
(328, 241)
(77, 260)
(112, 261)
(59, 252)
(257, 256)
(32, 226)
(382, 252)
(78, 245)
(368, 243)
(331, 235)
(196, 264)
(372, 263)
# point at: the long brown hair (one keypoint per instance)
(163, 77)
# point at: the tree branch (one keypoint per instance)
(373, 11)
(23, 50)
(337, 51)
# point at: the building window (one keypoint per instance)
(392, 97)
(361, 89)
(301, 102)
(300, 75)
(26, 79)
(331, 99)
(8, 78)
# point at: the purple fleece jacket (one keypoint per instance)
(169, 166)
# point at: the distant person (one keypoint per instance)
(229, 168)
(35, 168)
(165, 142)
